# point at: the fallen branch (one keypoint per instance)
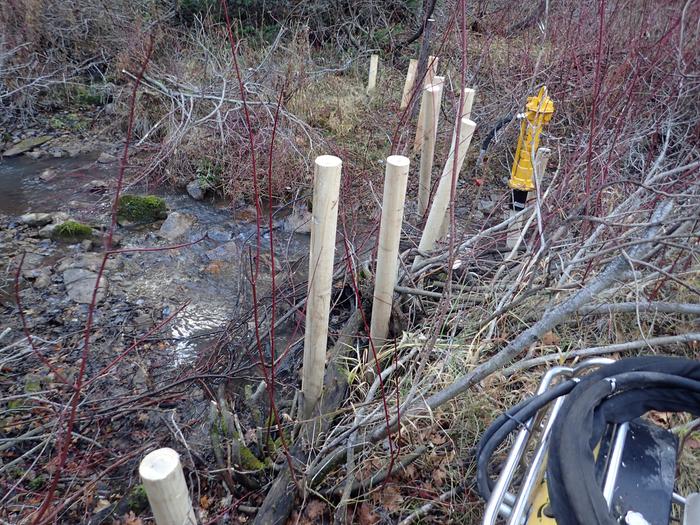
(618, 269)
(601, 350)
(653, 307)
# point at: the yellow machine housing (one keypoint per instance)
(538, 112)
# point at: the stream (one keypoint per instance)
(211, 275)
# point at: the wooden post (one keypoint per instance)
(431, 78)
(468, 96)
(323, 226)
(432, 70)
(441, 200)
(373, 67)
(164, 482)
(408, 85)
(432, 97)
(515, 230)
(395, 179)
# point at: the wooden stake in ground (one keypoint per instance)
(373, 67)
(441, 200)
(164, 482)
(408, 85)
(395, 179)
(468, 97)
(431, 78)
(468, 94)
(430, 104)
(513, 236)
(323, 226)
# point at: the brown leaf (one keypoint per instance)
(314, 510)
(204, 502)
(366, 515)
(391, 498)
(439, 476)
(132, 519)
(550, 339)
(409, 472)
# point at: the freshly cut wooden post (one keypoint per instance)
(395, 179)
(468, 96)
(432, 70)
(432, 97)
(323, 225)
(408, 85)
(513, 235)
(431, 78)
(441, 200)
(373, 66)
(162, 477)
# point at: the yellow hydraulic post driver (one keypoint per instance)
(538, 112)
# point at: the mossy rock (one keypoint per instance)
(71, 231)
(141, 209)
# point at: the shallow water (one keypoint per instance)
(211, 274)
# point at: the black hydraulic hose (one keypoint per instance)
(489, 138)
(506, 423)
(492, 134)
(613, 394)
(575, 493)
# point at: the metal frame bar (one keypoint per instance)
(515, 510)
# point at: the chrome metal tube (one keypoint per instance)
(494, 504)
(614, 462)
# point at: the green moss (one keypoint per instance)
(16, 404)
(71, 122)
(248, 459)
(72, 231)
(137, 499)
(37, 483)
(89, 96)
(141, 208)
(32, 384)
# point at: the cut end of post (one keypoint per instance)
(159, 464)
(328, 161)
(469, 125)
(398, 160)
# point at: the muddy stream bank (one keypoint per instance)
(211, 275)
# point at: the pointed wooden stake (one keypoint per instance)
(373, 67)
(408, 85)
(164, 482)
(322, 251)
(431, 78)
(432, 97)
(395, 179)
(441, 200)
(468, 95)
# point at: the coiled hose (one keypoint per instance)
(613, 394)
